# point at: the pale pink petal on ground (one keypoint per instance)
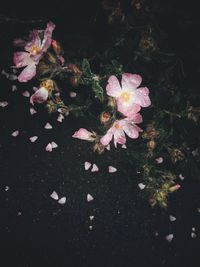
(111, 169)
(72, 94)
(62, 200)
(33, 138)
(159, 160)
(124, 146)
(60, 117)
(35, 88)
(54, 195)
(181, 177)
(49, 147)
(91, 217)
(130, 80)
(32, 111)
(87, 165)
(84, 134)
(108, 147)
(14, 88)
(15, 133)
(89, 198)
(54, 145)
(48, 126)
(94, 168)
(90, 227)
(141, 186)
(172, 218)
(26, 94)
(169, 237)
(40, 96)
(113, 87)
(3, 104)
(193, 235)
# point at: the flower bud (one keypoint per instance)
(104, 117)
(151, 145)
(174, 188)
(56, 47)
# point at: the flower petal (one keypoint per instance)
(113, 87)
(33, 138)
(15, 133)
(142, 97)
(28, 73)
(48, 126)
(111, 169)
(94, 168)
(49, 147)
(87, 165)
(131, 80)
(89, 198)
(40, 96)
(62, 200)
(54, 195)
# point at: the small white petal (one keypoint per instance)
(87, 165)
(124, 146)
(141, 186)
(111, 169)
(54, 195)
(3, 104)
(90, 227)
(181, 176)
(193, 235)
(72, 94)
(15, 133)
(60, 117)
(94, 168)
(49, 147)
(26, 94)
(7, 188)
(48, 126)
(172, 218)
(32, 111)
(33, 138)
(35, 88)
(159, 160)
(89, 198)
(91, 218)
(193, 229)
(54, 145)
(14, 88)
(169, 237)
(62, 200)
(108, 147)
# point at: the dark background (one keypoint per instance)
(34, 229)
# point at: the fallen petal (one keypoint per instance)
(54, 145)
(33, 138)
(124, 146)
(141, 186)
(48, 126)
(111, 169)
(62, 200)
(181, 176)
(87, 165)
(90, 227)
(159, 160)
(172, 218)
(169, 237)
(94, 168)
(15, 133)
(32, 111)
(89, 198)
(54, 195)
(193, 235)
(49, 147)
(91, 217)
(72, 94)
(3, 104)
(14, 88)
(26, 94)
(60, 117)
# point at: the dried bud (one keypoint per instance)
(56, 47)
(193, 113)
(136, 4)
(116, 16)
(150, 133)
(51, 106)
(111, 102)
(174, 188)
(105, 117)
(74, 69)
(99, 148)
(148, 43)
(48, 84)
(151, 145)
(74, 81)
(176, 155)
(51, 58)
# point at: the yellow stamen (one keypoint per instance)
(35, 50)
(126, 96)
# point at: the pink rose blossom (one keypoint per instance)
(40, 96)
(129, 97)
(118, 131)
(34, 49)
(84, 134)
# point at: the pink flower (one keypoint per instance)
(84, 134)
(40, 96)
(119, 129)
(34, 49)
(129, 97)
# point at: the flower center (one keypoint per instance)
(117, 126)
(126, 96)
(35, 50)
